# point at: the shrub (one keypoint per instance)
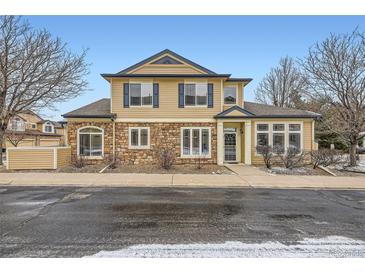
(78, 161)
(292, 157)
(166, 157)
(267, 153)
(325, 157)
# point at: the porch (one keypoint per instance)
(233, 142)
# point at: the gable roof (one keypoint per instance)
(168, 57)
(98, 109)
(256, 110)
(161, 53)
(234, 109)
(54, 123)
(166, 60)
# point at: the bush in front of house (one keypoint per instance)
(325, 157)
(166, 157)
(78, 161)
(291, 157)
(267, 154)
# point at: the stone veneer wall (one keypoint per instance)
(108, 137)
(161, 134)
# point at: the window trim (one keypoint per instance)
(286, 133)
(140, 106)
(48, 123)
(130, 146)
(182, 155)
(230, 104)
(286, 126)
(94, 133)
(196, 105)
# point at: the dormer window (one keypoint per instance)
(141, 94)
(17, 124)
(196, 94)
(48, 127)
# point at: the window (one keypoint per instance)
(295, 136)
(195, 142)
(141, 94)
(262, 135)
(48, 127)
(196, 94)
(34, 126)
(17, 124)
(90, 142)
(139, 137)
(230, 95)
(278, 137)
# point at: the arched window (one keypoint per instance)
(48, 127)
(90, 141)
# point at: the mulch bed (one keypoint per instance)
(149, 169)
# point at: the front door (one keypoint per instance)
(230, 143)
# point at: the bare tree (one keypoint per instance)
(36, 70)
(336, 72)
(283, 86)
(15, 137)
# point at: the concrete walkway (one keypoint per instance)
(253, 178)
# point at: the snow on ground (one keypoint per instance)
(332, 246)
(360, 167)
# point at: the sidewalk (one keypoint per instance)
(180, 180)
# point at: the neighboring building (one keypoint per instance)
(31, 130)
(168, 100)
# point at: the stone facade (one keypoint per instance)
(72, 128)
(161, 135)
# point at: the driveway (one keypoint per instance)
(176, 222)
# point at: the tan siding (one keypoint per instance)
(239, 87)
(63, 156)
(168, 102)
(307, 131)
(49, 142)
(60, 131)
(23, 143)
(30, 117)
(166, 69)
(30, 158)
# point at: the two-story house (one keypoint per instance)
(29, 129)
(171, 101)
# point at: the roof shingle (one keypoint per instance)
(98, 109)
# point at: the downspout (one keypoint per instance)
(113, 123)
(222, 95)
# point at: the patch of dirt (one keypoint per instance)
(176, 169)
(304, 170)
(149, 169)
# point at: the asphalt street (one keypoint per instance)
(77, 222)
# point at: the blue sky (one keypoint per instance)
(244, 46)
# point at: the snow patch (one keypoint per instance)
(332, 246)
(360, 167)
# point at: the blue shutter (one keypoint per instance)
(156, 98)
(181, 95)
(210, 95)
(126, 95)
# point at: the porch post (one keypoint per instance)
(220, 143)
(248, 142)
